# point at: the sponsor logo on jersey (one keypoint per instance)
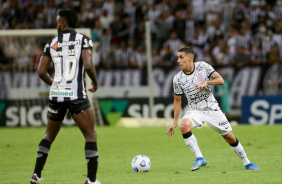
(198, 95)
(69, 43)
(55, 46)
(87, 43)
(61, 93)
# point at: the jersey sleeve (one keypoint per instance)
(176, 86)
(209, 69)
(46, 51)
(87, 43)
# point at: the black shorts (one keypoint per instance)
(58, 110)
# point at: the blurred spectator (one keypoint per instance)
(278, 10)
(257, 57)
(272, 56)
(141, 12)
(179, 25)
(109, 5)
(266, 43)
(106, 19)
(117, 28)
(206, 57)
(98, 8)
(227, 11)
(138, 58)
(123, 56)
(215, 31)
(109, 61)
(163, 28)
(242, 57)
(4, 24)
(105, 43)
(253, 13)
(163, 6)
(130, 10)
(156, 58)
(199, 41)
(189, 27)
(96, 32)
(168, 58)
(139, 34)
(213, 9)
(277, 36)
(152, 15)
(219, 52)
(231, 40)
(244, 38)
(198, 12)
(174, 42)
(238, 14)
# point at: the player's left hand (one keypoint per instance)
(202, 85)
(94, 88)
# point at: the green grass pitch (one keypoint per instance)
(170, 157)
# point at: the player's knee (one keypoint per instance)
(185, 126)
(230, 138)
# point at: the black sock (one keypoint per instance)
(187, 135)
(235, 144)
(42, 154)
(91, 155)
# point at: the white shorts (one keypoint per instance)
(215, 119)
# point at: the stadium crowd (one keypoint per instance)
(222, 32)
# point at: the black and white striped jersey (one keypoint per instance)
(200, 99)
(65, 51)
(174, 45)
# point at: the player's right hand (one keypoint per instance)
(170, 130)
(94, 88)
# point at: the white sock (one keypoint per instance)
(239, 150)
(192, 143)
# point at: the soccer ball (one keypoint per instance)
(141, 163)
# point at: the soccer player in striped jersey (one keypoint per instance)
(71, 55)
(194, 81)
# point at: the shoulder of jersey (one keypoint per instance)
(199, 62)
(178, 74)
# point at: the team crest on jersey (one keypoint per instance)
(55, 46)
(200, 76)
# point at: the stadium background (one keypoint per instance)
(242, 39)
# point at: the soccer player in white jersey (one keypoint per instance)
(194, 81)
(71, 55)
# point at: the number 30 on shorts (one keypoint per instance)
(69, 68)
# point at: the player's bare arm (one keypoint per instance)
(216, 79)
(90, 69)
(177, 107)
(42, 70)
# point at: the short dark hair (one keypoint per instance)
(187, 50)
(70, 16)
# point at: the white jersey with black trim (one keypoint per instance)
(200, 99)
(65, 51)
